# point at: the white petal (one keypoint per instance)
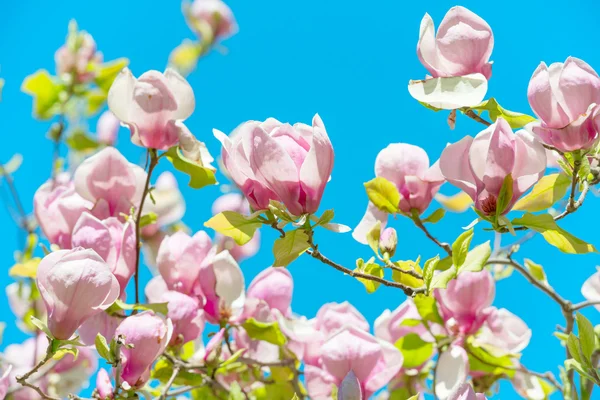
(183, 93)
(120, 95)
(450, 93)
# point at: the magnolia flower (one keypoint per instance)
(215, 15)
(349, 352)
(75, 285)
(505, 331)
(276, 161)
(407, 167)
(388, 326)
(186, 314)
(451, 372)
(76, 58)
(458, 59)
(479, 165)
(4, 380)
(110, 182)
(275, 287)
(259, 350)
(107, 128)
(222, 284)
(149, 334)
(104, 385)
(238, 203)
(152, 106)
(180, 258)
(465, 303)
(565, 98)
(57, 208)
(466, 392)
(112, 240)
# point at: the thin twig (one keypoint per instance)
(176, 369)
(473, 115)
(22, 380)
(445, 246)
(118, 365)
(411, 272)
(153, 162)
(584, 304)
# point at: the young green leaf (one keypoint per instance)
(239, 227)
(587, 338)
(515, 120)
(373, 237)
(536, 270)
(369, 268)
(415, 350)
(429, 269)
(200, 175)
(266, 331)
(435, 216)
(545, 193)
(427, 309)
(103, 349)
(383, 194)
(476, 258)
(460, 248)
(574, 347)
(79, 140)
(161, 308)
(41, 326)
(148, 219)
(107, 72)
(290, 247)
(505, 195)
(45, 90)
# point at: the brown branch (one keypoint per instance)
(474, 116)
(164, 394)
(22, 380)
(414, 274)
(445, 246)
(153, 162)
(584, 304)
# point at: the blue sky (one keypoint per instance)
(350, 62)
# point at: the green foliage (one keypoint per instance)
(148, 219)
(536, 270)
(460, 248)
(266, 331)
(119, 306)
(545, 193)
(415, 350)
(103, 349)
(483, 360)
(435, 216)
(505, 195)
(373, 237)
(369, 268)
(429, 269)
(239, 227)
(290, 247)
(516, 120)
(200, 175)
(45, 90)
(581, 350)
(383, 194)
(556, 236)
(107, 72)
(79, 140)
(427, 308)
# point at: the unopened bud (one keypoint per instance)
(388, 241)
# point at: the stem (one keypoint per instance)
(17, 200)
(153, 162)
(22, 380)
(447, 248)
(584, 304)
(56, 152)
(163, 396)
(473, 115)
(412, 273)
(118, 364)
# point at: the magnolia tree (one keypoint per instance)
(76, 285)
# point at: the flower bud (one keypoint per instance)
(104, 385)
(388, 241)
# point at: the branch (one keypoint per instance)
(176, 369)
(584, 304)
(118, 364)
(22, 380)
(474, 116)
(412, 273)
(153, 162)
(447, 248)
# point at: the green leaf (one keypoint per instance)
(107, 72)
(407, 279)
(574, 347)
(326, 218)
(266, 331)
(45, 90)
(441, 279)
(587, 337)
(369, 268)
(184, 57)
(235, 392)
(536, 270)
(200, 175)
(239, 227)
(460, 248)
(505, 195)
(515, 120)
(148, 219)
(576, 365)
(79, 140)
(415, 350)
(161, 308)
(279, 210)
(13, 164)
(95, 100)
(429, 269)
(373, 237)
(476, 258)
(556, 236)
(427, 309)
(41, 326)
(383, 194)
(103, 349)
(435, 216)
(290, 247)
(545, 193)
(27, 269)
(482, 360)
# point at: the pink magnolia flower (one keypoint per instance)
(153, 106)
(276, 161)
(462, 46)
(76, 60)
(4, 380)
(505, 331)
(57, 207)
(480, 165)
(388, 326)
(216, 15)
(102, 323)
(407, 167)
(275, 287)
(528, 386)
(110, 182)
(107, 128)
(155, 288)
(565, 98)
(186, 314)
(149, 334)
(591, 288)
(168, 205)
(466, 392)
(75, 285)
(388, 241)
(104, 385)
(112, 240)
(180, 258)
(372, 362)
(451, 372)
(238, 203)
(222, 283)
(259, 350)
(465, 303)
